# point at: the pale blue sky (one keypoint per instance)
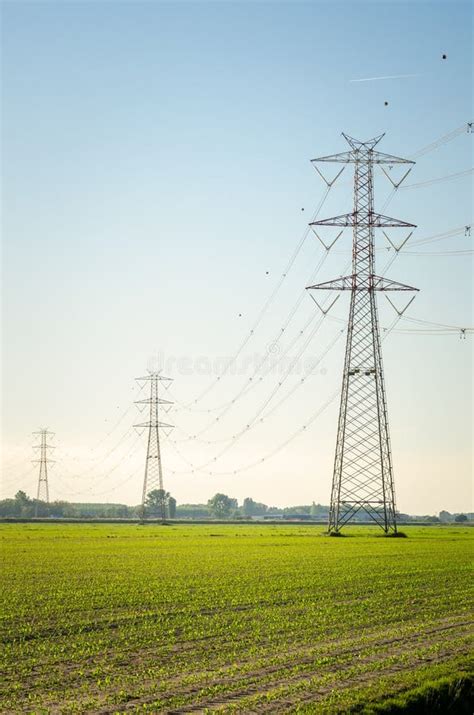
(155, 163)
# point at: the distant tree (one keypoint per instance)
(22, 498)
(432, 519)
(248, 507)
(253, 508)
(25, 506)
(319, 510)
(459, 518)
(305, 509)
(171, 507)
(41, 508)
(9, 507)
(156, 502)
(192, 511)
(445, 516)
(220, 505)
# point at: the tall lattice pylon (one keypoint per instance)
(42, 493)
(363, 472)
(153, 465)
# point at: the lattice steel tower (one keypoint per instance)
(42, 493)
(363, 472)
(153, 465)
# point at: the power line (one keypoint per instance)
(450, 233)
(263, 310)
(19, 478)
(329, 184)
(235, 437)
(429, 182)
(110, 470)
(463, 129)
(440, 326)
(272, 345)
(190, 405)
(257, 416)
(294, 435)
(430, 329)
(419, 321)
(92, 489)
(244, 391)
(434, 238)
(438, 253)
(251, 382)
(117, 445)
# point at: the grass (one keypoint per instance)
(114, 618)
(447, 695)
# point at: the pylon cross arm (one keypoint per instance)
(373, 282)
(154, 376)
(358, 157)
(153, 401)
(372, 219)
(363, 152)
(154, 424)
(344, 157)
(384, 284)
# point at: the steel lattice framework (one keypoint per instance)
(153, 465)
(363, 472)
(42, 493)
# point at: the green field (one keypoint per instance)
(268, 619)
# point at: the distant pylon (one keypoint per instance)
(363, 472)
(153, 465)
(42, 493)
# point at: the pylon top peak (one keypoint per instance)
(357, 144)
(362, 152)
(154, 375)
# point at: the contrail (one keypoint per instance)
(391, 76)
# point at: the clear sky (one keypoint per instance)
(155, 168)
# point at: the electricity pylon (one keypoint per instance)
(363, 472)
(153, 465)
(42, 493)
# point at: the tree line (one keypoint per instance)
(160, 502)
